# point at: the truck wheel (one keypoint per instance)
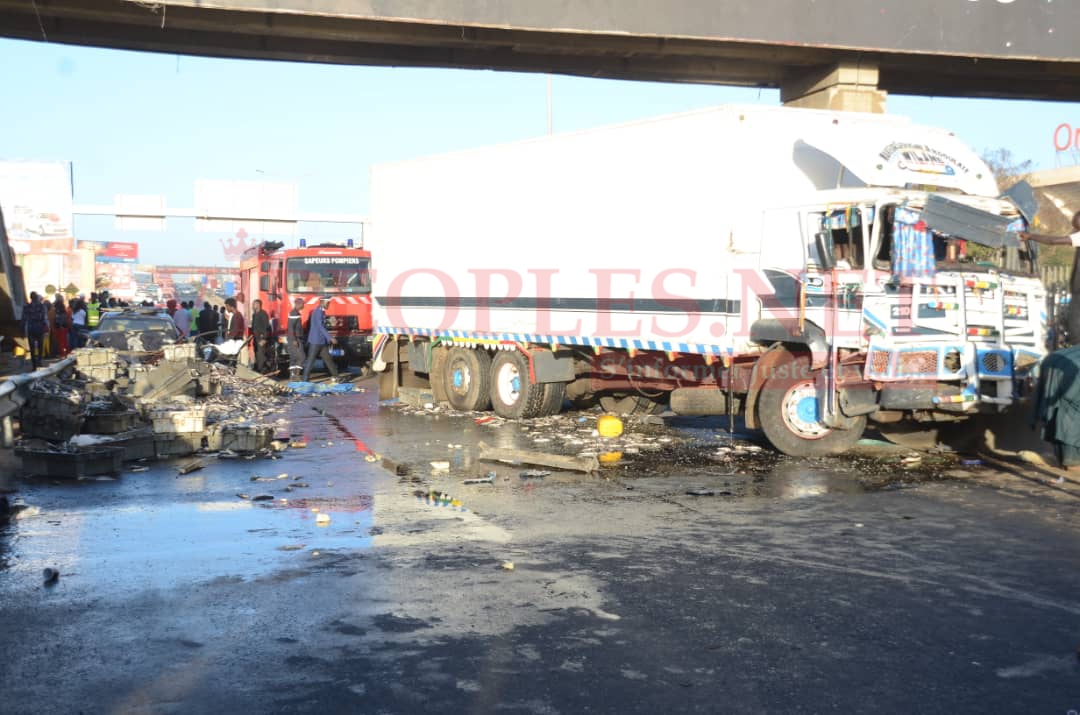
(788, 413)
(554, 396)
(513, 394)
(631, 405)
(465, 377)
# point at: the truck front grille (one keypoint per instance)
(918, 362)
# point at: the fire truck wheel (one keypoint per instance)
(789, 414)
(632, 405)
(513, 394)
(465, 377)
(554, 396)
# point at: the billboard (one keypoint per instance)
(47, 273)
(113, 251)
(36, 198)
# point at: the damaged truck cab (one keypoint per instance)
(916, 333)
(809, 270)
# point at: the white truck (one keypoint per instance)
(807, 269)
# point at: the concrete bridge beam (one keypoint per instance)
(845, 86)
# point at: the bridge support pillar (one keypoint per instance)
(845, 87)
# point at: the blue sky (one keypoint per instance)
(152, 124)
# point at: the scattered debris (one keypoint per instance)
(533, 474)
(191, 467)
(399, 469)
(609, 426)
(322, 519)
(140, 469)
(700, 492)
(441, 466)
(507, 566)
(262, 497)
(556, 461)
(51, 576)
(489, 479)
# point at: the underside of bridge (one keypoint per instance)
(839, 54)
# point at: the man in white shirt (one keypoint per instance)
(1073, 239)
(182, 319)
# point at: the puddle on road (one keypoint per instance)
(130, 548)
(671, 458)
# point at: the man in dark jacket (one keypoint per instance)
(319, 341)
(261, 329)
(207, 324)
(294, 336)
(36, 325)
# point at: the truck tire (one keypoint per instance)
(513, 395)
(465, 377)
(554, 396)
(788, 414)
(632, 405)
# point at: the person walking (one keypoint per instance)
(182, 320)
(36, 327)
(78, 322)
(261, 329)
(48, 347)
(207, 323)
(294, 338)
(61, 326)
(234, 326)
(93, 312)
(319, 341)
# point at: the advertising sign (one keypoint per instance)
(48, 273)
(36, 198)
(113, 251)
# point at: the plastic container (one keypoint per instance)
(168, 421)
(73, 464)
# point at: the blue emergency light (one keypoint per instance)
(349, 243)
(303, 243)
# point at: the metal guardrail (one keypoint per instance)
(13, 395)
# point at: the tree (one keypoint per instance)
(1008, 171)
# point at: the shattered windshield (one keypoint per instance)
(135, 323)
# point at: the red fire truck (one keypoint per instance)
(339, 272)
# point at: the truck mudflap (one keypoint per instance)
(771, 331)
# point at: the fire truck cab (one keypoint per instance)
(340, 273)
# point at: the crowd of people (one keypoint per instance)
(216, 325)
(54, 328)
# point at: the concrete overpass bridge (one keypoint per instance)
(837, 54)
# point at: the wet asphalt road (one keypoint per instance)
(855, 584)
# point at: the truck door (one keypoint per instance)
(836, 249)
